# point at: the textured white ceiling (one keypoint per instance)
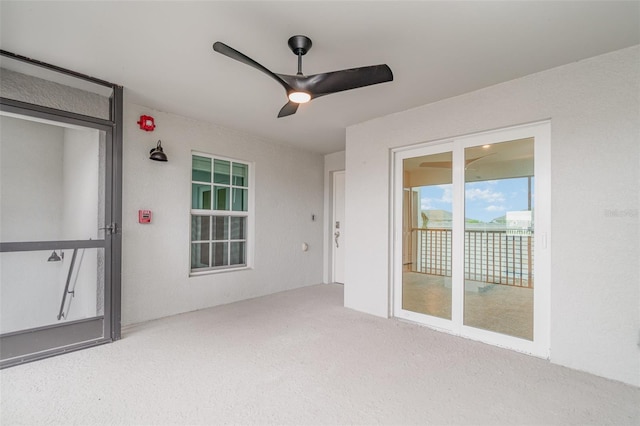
(161, 52)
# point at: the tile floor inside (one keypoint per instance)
(500, 308)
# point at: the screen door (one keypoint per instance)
(60, 181)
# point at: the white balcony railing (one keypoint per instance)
(490, 256)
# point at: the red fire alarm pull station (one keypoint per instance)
(146, 123)
(144, 216)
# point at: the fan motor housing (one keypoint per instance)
(299, 44)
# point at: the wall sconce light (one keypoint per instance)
(54, 257)
(157, 153)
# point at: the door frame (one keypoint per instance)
(333, 222)
(113, 129)
(541, 131)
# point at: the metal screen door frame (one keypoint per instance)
(42, 342)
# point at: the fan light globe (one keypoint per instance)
(299, 97)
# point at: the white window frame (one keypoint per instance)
(248, 214)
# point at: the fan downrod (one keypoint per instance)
(299, 44)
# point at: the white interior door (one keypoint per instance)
(480, 261)
(338, 227)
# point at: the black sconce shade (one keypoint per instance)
(157, 153)
(54, 257)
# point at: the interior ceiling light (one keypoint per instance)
(302, 88)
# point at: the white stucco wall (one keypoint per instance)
(30, 210)
(594, 108)
(155, 257)
(80, 206)
(48, 185)
(28, 88)
(332, 162)
(31, 159)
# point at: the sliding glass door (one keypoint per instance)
(472, 257)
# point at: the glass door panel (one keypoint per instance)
(427, 238)
(498, 237)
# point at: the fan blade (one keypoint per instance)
(234, 54)
(296, 82)
(470, 161)
(437, 164)
(338, 81)
(290, 108)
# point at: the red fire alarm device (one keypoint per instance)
(146, 123)
(144, 216)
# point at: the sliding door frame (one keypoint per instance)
(541, 132)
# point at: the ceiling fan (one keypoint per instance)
(301, 88)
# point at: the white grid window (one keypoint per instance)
(220, 213)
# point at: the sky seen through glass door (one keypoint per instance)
(485, 201)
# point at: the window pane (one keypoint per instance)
(201, 169)
(199, 255)
(220, 256)
(221, 171)
(220, 227)
(427, 241)
(240, 199)
(499, 237)
(237, 253)
(238, 231)
(200, 196)
(221, 198)
(200, 227)
(240, 174)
